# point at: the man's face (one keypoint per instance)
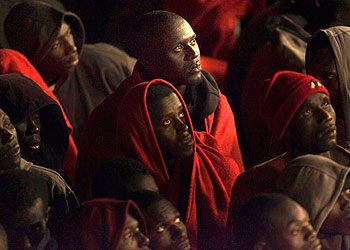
(28, 132)
(338, 220)
(322, 66)
(144, 182)
(167, 231)
(312, 129)
(293, 230)
(63, 55)
(170, 126)
(9, 148)
(174, 55)
(27, 228)
(132, 238)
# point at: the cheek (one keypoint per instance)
(160, 241)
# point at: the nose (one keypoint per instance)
(181, 126)
(143, 240)
(324, 115)
(32, 126)
(192, 52)
(26, 244)
(6, 135)
(310, 234)
(69, 45)
(177, 232)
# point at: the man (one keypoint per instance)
(53, 41)
(166, 229)
(120, 177)
(327, 58)
(298, 111)
(273, 221)
(62, 198)
(322, 187)
(166, 47)
(25, 210)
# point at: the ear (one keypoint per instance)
(261, 245)
(47, 215)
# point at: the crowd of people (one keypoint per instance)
(137, 141)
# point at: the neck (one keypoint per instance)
(170, 165)
(330, 241)
(50, 79)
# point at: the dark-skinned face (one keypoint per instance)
(294, 231)
(171, 129)
(27, 228)
(167, 231)
(9, 148)
(174, 55)
(322, 66)
(338, 220)
(313, 129)
(28, 132)
(132, 238)
(63, 55)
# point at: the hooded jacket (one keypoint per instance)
(33, 27)
(339, 40)
(99, 224)
(12, 61)
(199, 186)
(20, 97)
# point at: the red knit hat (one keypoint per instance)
(286, 92)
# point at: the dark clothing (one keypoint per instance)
(20, 97)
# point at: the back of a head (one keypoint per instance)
(149, 28)
(254, 220)
(115, 179)
(20, 189)
(318, 41)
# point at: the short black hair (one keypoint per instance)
(145, 199)
(149, 27)
(253, 220)
(112, 179)
(20, 188)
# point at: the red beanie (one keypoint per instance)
(286, 92)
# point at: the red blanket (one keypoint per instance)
(200, 187)
(12, 61)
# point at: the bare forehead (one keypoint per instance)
(162, 211)
(64, 28)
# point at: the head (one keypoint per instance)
(28, 132)
(274, 221)
(117, 178)
(9, 148)
(169, 122)
(166, 230)
(167, 47)
(297, 109)
(24, 208)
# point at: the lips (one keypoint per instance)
(184, 245)
(328, 131)
(316, 245)
(72, 60)
(187, 140)
(13, 151)
(195, 67)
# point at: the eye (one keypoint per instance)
(182, 114)
(325, 104)
(177, 220)
(166, 122)
(307, 113)
(178, 48)
(160, 229)
(193, 41)
(295, 231)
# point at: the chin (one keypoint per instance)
(195, 80)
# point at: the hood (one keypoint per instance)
(315, 182)
(99, 224)
(32, 27)
(21, 97)
(339, 39)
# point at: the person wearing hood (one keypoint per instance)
(154, 126)
(298, 111)
(106, 224)
(62, 197)
(53, 41)
(167, 48)
(12, 61)
(322, 187)
(327, 58)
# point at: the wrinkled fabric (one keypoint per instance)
(99, 224)
(199, 187)
(339, 39)
(20, 97)
(12, 61)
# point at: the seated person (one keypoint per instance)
(165, 227)
(11, 61)
(322, 187)
(154, 127)
(168, 52)
(41, 128)
(61, 196)
(327, 58)
(117, 178)
(273, 221)
(298, 110)
(53, 41)
(25, 210)
(105, 224)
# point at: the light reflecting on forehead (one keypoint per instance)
(162, 211)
